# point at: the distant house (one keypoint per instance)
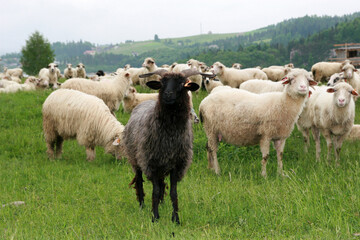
(90, 52)
(350, 51)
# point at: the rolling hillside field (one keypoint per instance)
(70, 198)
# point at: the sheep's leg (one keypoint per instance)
(50, 148)
(338, 141)
(90, 154)
(264, 147)
(305, 132)
(279, 146)
(162, 185)
(329, 144)
(173, 195)
(59, 143)
(138, 180)
(155, 198)
(212, 147)
(316, 135)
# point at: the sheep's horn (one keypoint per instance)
(192, 71)
(160, 72)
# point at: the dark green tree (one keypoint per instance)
(36, 54)
(156, 38)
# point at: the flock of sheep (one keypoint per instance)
(244, 107)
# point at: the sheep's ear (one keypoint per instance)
(355, 70)
(116, 141)
(353, 92)
(312, 82)
(285, 80)
(189, 85)
(330, 90)
(156, 85)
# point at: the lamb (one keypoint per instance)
(230, 76)
(276, 74)
(70, 114)
(242, 118)
(133, 98)
(111, 92)
(69, 71)
(333, 117)
(322, 70)
(210, 84)
(237, 66)
(158, 137)
(80, 71)
(50, 75)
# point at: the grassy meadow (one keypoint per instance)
(70, 198)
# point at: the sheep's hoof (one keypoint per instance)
(155, 219)
(175, 218)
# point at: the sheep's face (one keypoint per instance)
(148, 63)
(236, 66)
(52, 67)
(217, 68)
(69, 66)
(126, 67)
(43, 83)
(335, 78)
(130, 93)
(172, 86)
(348, 70)
(343, 93)
(298, 83)
(192, 63)
(80, 66)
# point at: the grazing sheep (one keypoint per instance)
(13, 72)
(158, 137)
(354, 134)
(322, 70)
(243, 118)
(237, 66)
(111, 92)
(69, 71)
(230, 76)
(80, 71)
(262, 86)
(276, 74)
(289, 65)
(210, 84)
(333, 116)
(30, 84)
(70, 114)
(50, 75)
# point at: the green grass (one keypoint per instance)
(70, 198)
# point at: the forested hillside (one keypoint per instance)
(302, 41)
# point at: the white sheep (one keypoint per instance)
(334, 112)
(50, 75)
(80, 71)
(69, 114)
(210, 84)
(289, 65)
(30, 84)
(255, 73)
(243, 118)
(237, 66)
(354, 134)
(150, 65)
(230, 76)
(135, 72)
(262, 86)
(111, 92)
(69, 71)
(276, 74)
(191, 64)
(323, 70)
(13, 72)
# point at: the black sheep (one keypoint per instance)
(158, 137)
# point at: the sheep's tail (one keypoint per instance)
(201, 116)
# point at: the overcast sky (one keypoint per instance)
(114, 21)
